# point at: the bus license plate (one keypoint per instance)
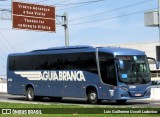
(138, 94)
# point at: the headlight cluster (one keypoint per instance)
(124, 88)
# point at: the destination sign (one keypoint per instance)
(33, 10)
(31, 23)
(33, 17)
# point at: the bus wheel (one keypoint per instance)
(30, 94)
(93, 97)
(121, 101)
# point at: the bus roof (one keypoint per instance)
(111, 50)
(64, 48)
(121, 51)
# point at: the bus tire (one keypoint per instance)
(93, 97)
(121, 101)
(30, 94)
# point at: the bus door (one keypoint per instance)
(108, 72)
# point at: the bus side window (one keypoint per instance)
(107, 69)
(12, 63)
(111, 75)
(111, 72)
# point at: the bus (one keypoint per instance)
(93, 73)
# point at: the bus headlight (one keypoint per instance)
(124, 88)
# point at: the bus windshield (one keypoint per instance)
(136, 70)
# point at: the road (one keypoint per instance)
(4, 97)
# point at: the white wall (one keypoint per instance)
(155, 93)
(3, 87)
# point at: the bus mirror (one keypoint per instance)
(157, 63)
(121, 64)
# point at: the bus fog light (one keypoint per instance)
(124, 88)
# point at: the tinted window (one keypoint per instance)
(107, 68)
(72, 61)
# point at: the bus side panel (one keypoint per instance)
(55, 88)
(66, 88)
(78, 88)
(48, 88)
(15, 84)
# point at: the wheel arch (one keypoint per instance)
(91, 87)
(29, 85)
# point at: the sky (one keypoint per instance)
(91, 22)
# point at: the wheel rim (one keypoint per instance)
(30, 94)
(93, 96)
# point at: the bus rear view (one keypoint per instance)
(94, 73)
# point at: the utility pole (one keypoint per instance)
(65, 25)
(158, 46)
(65, 20)
(159, 19)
